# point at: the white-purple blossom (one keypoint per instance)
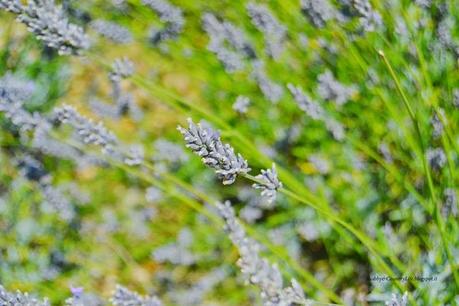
(206, 143)
(48, 22)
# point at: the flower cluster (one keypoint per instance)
(206, 143)
(48, 22)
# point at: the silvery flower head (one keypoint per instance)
(112, 31)
(124, 297)
(268, 184)
(436, 158)
(48, 22)
(319, 12)
(206, 143)
(241, 104)
(274, 32)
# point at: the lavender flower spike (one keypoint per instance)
(269, 184)
(87, 130)
(124, 297)
(258, 270)
(19, 298)
(206, 143)
(273, 31)
(48, 22)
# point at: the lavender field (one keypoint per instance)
(230, 153)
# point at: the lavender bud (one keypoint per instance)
(269, 184)
(206, 143)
